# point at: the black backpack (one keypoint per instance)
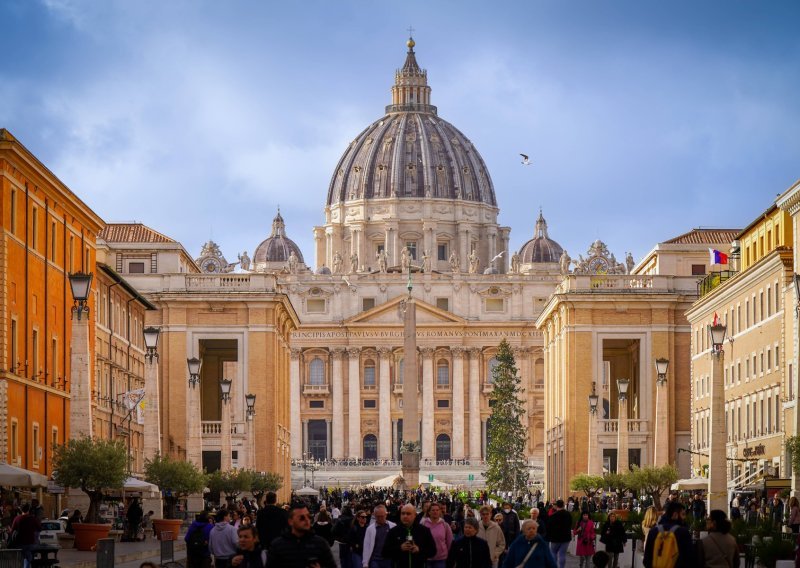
(197, 544)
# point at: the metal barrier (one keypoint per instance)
(105, 553)
(10, 558)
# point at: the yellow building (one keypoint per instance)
(751, 302)
(602, 325)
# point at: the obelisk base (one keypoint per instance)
(410, 469)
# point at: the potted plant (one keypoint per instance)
(176, 479)
(96, 467)
(263, 481)
(769, 551)
(230, 483)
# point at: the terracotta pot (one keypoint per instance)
(170, 525)
(87, 534)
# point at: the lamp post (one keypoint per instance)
(622, 426)
(194, 444)
(152, 421)
(225, 395)
(717, 471)
(661, 438)
(80, 385)
(593, 462)
(250, 400)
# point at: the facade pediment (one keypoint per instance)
(390, 312)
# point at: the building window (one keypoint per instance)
(367, 304)
(442, 447)
(53, 241)
(13, 207)
(412, 249)
(35, 228)
(493, 362)
(442, 403)
(494, 304)
(443, 304)
(370, 447)
(54, 361)
(315, 306)
(34, 370)
(13, 354)
(14, 440)
(441, 251)
(316, 372)
(36, 446)
(53, 437)
(369, 374)
(136, 267)
(698, 269)
(71, 253)
(400, 372)
(790, 379)
(443, 374)
(370, 403)
(316, 404)
(380, 248)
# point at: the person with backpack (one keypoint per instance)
(197, 553)
(249, 554)
(669, 543)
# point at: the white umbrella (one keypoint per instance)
(690, 484)
(308, 491)
(133, 484)
(11, 476)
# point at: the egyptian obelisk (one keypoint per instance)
(410, 447)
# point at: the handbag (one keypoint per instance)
(13, 539)
(527, 556)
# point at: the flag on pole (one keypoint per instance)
(717, 257)
(716, 319)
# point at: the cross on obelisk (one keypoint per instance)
(410, 448)
(410, 31)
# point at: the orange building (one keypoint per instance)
(47, 232)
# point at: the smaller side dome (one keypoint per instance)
(323, 270)
(277, 248)
(540, 248)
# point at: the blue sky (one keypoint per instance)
(644, 119)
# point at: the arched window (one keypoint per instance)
(370, 447)
(316, 372)
(493, 362)
(443, 373)
(369, 373)
(442, 447)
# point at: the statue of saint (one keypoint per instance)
(453, 262)
(337, 263)
(293, 262)
(244, 261)
(383, 260)
(474, 262)
(629, 264)
(426, 262)
(564, 262)
(354, 263)
(515, 263)
(405, 259)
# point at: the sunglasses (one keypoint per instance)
(362, 516)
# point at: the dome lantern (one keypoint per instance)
(410, 91)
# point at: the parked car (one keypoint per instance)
(50, 530)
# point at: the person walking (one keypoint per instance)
(197, 552)
(510, 524)
(341, 533)
(223, 539)
(794, 515)
(530, 550)
(299, 547)
(491, 532)
(249, 554)
(271, 521)
(27, 526)
(470, 551)
(375, 540)
(673, 521)
(718, 549)
(559, 533)
(356, 537)
(612, 535)
(409, 545)
(585, 534)
(441, 533)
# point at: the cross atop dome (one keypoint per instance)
(411, 91)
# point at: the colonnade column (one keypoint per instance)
(474, 404)
(458, 402)
(294, 405)
(384, 402)
(354, 402)
(337, 433)
(428, 445)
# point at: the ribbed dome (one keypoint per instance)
(540, 248)
(411, 152)
(277, 247)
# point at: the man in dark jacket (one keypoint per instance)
(270, 521)
(559, 533)
(673, 519)
(409, 544)
(134, 518)
(510, 524)
(299, 547)
(197, 553)
(341, 534)
(249, 554)
(469, 551)
(26, 525)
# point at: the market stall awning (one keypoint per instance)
(133, 484)
(691, 484)
(12, 476)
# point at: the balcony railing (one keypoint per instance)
(633, 425)
(213, 428)
(626, 283)
(714, 279)
(369, 387)
(315, 389)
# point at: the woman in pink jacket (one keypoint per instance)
(585, 533)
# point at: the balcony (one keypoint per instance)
(213, 429)
(634, 426)
(397, 388)
(714, 279)
(443, 388)
(369, 388)
(315, 390)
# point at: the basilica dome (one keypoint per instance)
(277, 248)
(540, 248)
(411, 153)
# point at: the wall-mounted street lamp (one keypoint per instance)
(80, 284)
(250, 399)
(622, 388)
(225, 389)
(194, 371)
(594, 399)
(151, 343)
(661, 370)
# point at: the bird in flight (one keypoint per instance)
(497, 256)
(526, 160)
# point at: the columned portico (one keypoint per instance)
(428, 443)
(384, 404)
(337, 391)
(474, 404)
(353, 405)
(458, 402)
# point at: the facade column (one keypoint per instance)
(152, 421)
(428, 444)
(80, 419)
(354, 401)
(474, 405)
(661, 437)
(337, 386)
(294, 405)
(384, 405)
(458, 402)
